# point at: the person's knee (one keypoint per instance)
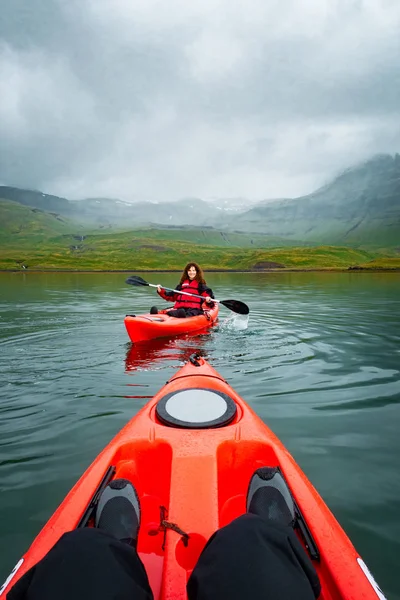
(178, 313)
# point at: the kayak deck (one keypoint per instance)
(197, 479)
(147, 327)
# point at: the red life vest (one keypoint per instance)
(182, 301)
(192, 287)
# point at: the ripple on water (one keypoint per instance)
(319, 362)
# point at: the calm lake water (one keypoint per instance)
(319, 362)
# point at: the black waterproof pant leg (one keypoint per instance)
(249, 558)
(193, 312)
(178, 313)
(85, 564)
(253, 558)
(182, 313)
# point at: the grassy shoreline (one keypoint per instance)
(130, 253)
(285, 270)
(33, 241)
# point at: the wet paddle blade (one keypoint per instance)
(236, 306)
(135, 280)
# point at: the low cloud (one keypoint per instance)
(147, 100)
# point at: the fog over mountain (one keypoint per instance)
(142, 100)
(361, 205)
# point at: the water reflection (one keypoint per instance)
(147, 355)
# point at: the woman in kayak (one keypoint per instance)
(193, 282)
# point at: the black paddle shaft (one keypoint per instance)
(234, 305)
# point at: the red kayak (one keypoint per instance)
(190, 453)
(148, 327)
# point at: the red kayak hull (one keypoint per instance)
(200, 477)
(146, 327)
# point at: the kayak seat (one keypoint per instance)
(196, 408)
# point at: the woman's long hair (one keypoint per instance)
(199, 273)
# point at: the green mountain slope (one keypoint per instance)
(109, 213)
(355, 220)
(21, 224)
(213, 237)
(361, 206)
(36, 199)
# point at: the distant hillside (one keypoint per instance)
(36, 199)
(32, 239)
(208, 236)
(361, 206)
(20, 224)
(111, 213)
(137, 251)
(23, 224)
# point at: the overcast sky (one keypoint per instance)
(162, 99)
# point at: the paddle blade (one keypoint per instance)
(236, 306)
(135, 280)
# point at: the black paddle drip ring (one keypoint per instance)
(196, 408)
